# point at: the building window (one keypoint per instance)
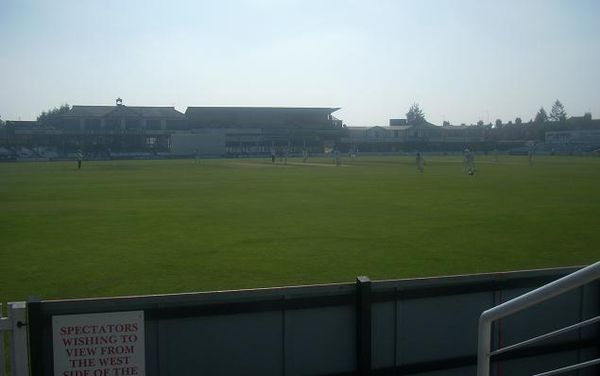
(151, 141)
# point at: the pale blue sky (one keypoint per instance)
(460, 60)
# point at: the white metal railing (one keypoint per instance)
(562, 285)
(16, 323)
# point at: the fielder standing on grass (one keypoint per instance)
(79, 159)
(420, 162)
(530, 154)
(469, 162)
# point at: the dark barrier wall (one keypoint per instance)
(401, 327)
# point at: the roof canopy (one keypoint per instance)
(262, 117)
(124, 111)
(264, 111)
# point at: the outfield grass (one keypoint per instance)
(141, 227)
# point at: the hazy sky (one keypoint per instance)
(460, 60)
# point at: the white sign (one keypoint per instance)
(99, 344)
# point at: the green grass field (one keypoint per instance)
(141, 227)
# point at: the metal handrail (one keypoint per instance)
(542, 337)
(562, 285)
(570, 368)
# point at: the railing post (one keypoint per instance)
(363, 325)
(484, 346)
(17, 312)
(2, 365)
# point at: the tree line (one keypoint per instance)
(536, 128)
(51, 117)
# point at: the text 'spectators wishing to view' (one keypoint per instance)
(102, 344)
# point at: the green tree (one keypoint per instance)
(415, 115)
(51, 117)
(558, 112)
(498, 123)
(541, 116)
(518, 121)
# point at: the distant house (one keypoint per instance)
(579, 132)
(574, 137)
(583, 122)
(465, 134)
(399, 136)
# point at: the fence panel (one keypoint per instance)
(17, 315)
(13, 330)
(243, 344)
(415, 326)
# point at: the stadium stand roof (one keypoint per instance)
(144, 112)
(265, 111)
(261, 117)
(327, 110)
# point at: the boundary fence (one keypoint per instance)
(425, 326)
